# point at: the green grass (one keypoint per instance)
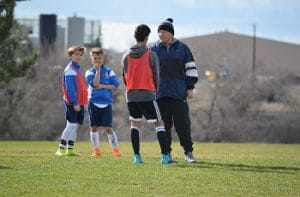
(31, 169)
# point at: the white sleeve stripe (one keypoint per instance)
(112, 73)
(190, 65)
(89, 73)
(192, 73)
(70, 72)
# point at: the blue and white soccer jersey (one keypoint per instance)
(100, 109)
(148, 109)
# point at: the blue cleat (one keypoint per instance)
(137, 159)
(165, 159)
(171, 159)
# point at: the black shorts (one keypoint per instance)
(74, 116)
(148, 109)
(100, 116)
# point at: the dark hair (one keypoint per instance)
(141, 32)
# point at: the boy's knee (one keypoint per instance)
(108, 130)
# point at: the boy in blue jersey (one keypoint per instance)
(75, 97)
(102, 80)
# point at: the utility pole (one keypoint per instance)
(254, 52)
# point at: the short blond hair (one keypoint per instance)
(97, 51)
(72, 49)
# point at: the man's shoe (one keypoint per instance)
(96, 152)
(60, 152)
(165, 159)
(137, 159)
(70, 152)
(189, 157)
(116, 152)
(171, 159)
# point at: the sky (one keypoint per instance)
(274, 19)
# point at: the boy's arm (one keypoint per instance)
(108, 87)
(96, 80)
(124, 67)
(154, 62)
(89, 77)
(71, 88)
(113, 82)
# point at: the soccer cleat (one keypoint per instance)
(116, 152)
(96, 152)
(171, 159)
(189, 157)
(137, 159)
(70, 152)
(165, 158)
(60, 152)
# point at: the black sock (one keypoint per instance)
(63, 144)
(161, 136)
(70, 144)
(135, 140)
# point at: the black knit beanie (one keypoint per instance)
(167, 25)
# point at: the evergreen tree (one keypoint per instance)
(16, 57)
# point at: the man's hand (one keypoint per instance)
(77, 108)
(190, 94)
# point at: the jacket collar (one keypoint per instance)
(74, 64)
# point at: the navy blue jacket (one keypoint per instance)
(178, 72)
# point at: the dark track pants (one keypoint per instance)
(174, 111)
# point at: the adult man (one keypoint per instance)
(178, 75)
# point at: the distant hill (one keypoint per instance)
(234, 51)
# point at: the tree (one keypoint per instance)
(15, 54)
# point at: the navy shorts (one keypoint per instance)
(100, 116)
(148, 109)
(72, 115)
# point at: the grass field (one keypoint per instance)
(31, 169)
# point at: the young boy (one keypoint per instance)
(75, 97)
(140, 75)
(102, 80)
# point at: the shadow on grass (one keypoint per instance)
(242, 167)
(5, 168)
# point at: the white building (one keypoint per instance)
(84, 31)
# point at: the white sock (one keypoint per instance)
(113, 140)
(95, 139)
(72, 127)
(65, 136)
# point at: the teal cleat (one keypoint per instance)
(165, 159)
(137, 159)
(171, 159)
